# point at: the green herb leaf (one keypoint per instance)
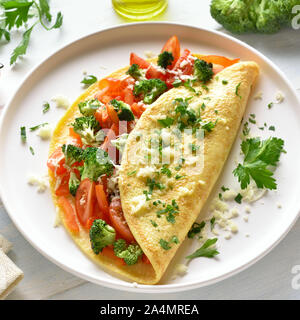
(205, 250)
(4, 33)
(88, 80)
(23, 134)
(238, 198)
(258, 155)
(38, 126)
(166, 123)
(45, 9)
(46, 107)
(195, 229)
(22, 47)
(237, 90)
(164, 244)
(31, 150)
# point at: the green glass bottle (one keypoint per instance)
(139, 9)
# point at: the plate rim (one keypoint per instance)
(129, 286)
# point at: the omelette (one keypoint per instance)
(134, 159)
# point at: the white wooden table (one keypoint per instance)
(270, 278)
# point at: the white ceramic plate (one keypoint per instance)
(99, 54)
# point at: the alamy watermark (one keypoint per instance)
(295, 283)
(296, 19)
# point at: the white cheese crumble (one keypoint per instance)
(45, 132)
(145, 172)
(139, 203)
(279, 97)
(180, 269)
(40, 182)
(149, 54)
(61, 101)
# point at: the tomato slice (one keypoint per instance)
(76, 139)
(84, 201)
(145, 259)
(69, 214)
(184, 66)
(118, 221)
(102, 117)
(56, 162)
(152, 72)
(112, 113)
(173, 46)
(102, 201)
(138, 109)
(109, 252)
(63, 188)
(223, 61)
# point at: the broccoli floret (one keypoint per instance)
(101, 235)
(203, 71)
(136, 72)
(150, 89)
(72, 154)
(123, 110)
(89, 107)
(240, 16)
(165, 59)
(89, 130)
(130, 253)
(96, 163)
(73, 184)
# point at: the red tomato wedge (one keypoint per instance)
(138, 109)
(112, 114)
(145, 259)
(102, 117)
(75, 137)
(63, 188)
(56, 162)
(223, 61)
(69, 214)
(97, 214)
(118, 221)
(102, 201)
(84, 201)
(152, 72)
(111, 135)
(173, 46)
(109, 252)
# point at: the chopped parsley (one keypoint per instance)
(88, 80)
(224, 82)
(224, 188)
(212, 223)
(238, 198)
(165, 170)
(154, 223)
(205, 250)
(23, 134)
(38, 126)
(31, 150)
(170, 210)
(270, 105)
(166, 123)
(246, 129)
(195, 229)
(131, 173)
(237, 90)
(166, 244)
(46, 107)
(272, 128)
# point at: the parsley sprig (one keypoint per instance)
(20, 13)
(206, 250)
(259, 155)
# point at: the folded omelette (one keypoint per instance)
(173, 155)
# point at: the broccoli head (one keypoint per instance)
(123, 110)
(72, 154)
(89, 130)
(130, 253)
(165, 59)
(241, 16)
(150, 89)
(203, 71)
(96, 163)
(136, 72)
(89, 107)
(73, 183)
(101, 235)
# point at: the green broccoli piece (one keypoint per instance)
(241, 16)
(165, 59)
(96, 163)
(123, 110)
(89, 107)
(72, 154)
(136, 72)
(89, 130)
(130, 253)
(150, 89)
(73, 183)
(203, 71)
(101, 235)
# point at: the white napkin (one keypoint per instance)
(10, 274)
